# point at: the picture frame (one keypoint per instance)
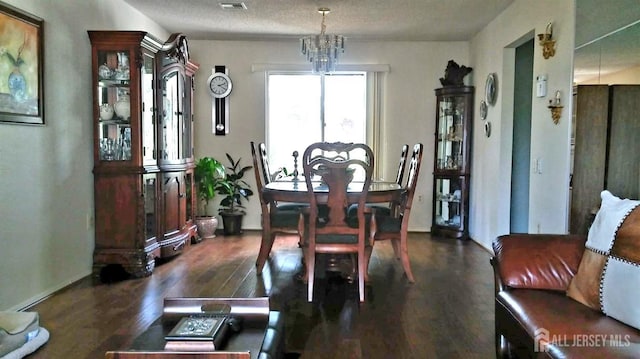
(21, 67)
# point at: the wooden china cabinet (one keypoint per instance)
(454, 113)
(143, 149)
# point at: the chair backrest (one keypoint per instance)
(403, 159)
(337, 171)
(258, 171)
(264, 159)
(414, 170)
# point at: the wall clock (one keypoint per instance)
(220, 86)
(490, 89)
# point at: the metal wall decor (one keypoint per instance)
(547, 42)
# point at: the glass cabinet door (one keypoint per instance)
(450, 147)
(451, 174)
(448, 202)
(172, 103)
(114, 123)
(148, 106)
(187, 118)
(150, 190)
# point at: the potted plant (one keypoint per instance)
(208, 173)
(234, 189)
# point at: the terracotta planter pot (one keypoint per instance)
(207, 226)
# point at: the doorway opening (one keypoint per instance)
(521, 154)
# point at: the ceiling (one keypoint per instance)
(607, 38)
(393, 20)
(397, 20)
(610, 54)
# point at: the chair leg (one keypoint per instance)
(368, 250)
(265, 249)
(362, 270)
(311, 264)
(404, 256)
(396, 248)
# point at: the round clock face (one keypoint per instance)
(219, 85)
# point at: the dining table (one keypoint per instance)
(294, 190)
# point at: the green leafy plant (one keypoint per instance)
(208, 174)
(281, 173)
(234, 188)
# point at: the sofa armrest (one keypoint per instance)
(536, 261)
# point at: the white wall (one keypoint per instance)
(409, 102)
(46, 183)
(492, 50)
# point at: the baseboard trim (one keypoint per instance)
(25, 305)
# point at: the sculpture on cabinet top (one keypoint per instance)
(454, 74)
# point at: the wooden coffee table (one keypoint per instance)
(245, 344)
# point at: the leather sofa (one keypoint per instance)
(534, 318)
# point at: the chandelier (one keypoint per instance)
(323, 50)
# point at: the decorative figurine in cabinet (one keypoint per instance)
(132, 203)
(454, 112)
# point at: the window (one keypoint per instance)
(303, 108)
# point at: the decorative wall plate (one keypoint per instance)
(487, 128)
(483, 110)
(490, 89)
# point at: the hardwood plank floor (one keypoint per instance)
(447, 313)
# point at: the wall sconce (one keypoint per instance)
(547, 42)
(555, 105)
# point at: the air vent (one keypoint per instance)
(233, 6)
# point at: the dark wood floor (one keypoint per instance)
(447, 313)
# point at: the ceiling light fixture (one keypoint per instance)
(323, 50)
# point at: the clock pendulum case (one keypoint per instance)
(219, 88)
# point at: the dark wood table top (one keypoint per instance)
(296, 190)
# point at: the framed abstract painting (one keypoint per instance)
(21, 67)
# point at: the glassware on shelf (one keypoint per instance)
(122, 71)
(115, 149)
(107, 149)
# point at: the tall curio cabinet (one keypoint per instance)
(454, 112)
(142, 150)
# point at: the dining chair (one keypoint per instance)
(401, 165)
(394, 227)
(330, 231)
(264, 159)
(382, 208)
(275, 220)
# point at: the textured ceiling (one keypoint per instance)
(431, 20)
(397, 20)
